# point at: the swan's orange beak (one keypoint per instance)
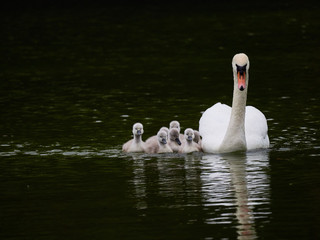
(241, 81)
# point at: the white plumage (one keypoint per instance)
(226, 129)
(214, 123)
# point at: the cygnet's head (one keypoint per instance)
(196, 136)
(165, 129)
(137, 129)
(174, 124)
(162, 137)
(174, 135)
(240, 66)
(189, 134)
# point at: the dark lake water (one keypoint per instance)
(74, 79)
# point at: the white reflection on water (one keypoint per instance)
(238, 180)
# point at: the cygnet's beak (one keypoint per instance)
(164, 141)
(178, 141)
(189, 138)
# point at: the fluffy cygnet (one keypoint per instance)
(161, 146)
(154, 139)
(174, 140)
(189, 145)
(176, 124)
(136, 144)
(197, 137)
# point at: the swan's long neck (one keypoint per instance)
(235, 139)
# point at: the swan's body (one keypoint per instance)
(226, 129)
(174, 140)
(189, 145)
(161, 146)
(136, 144)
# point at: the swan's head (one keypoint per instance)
(174, 135)
(175, 124)
(240, 65)
(189, 134)
(162, 137)
(137, 129)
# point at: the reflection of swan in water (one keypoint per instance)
(250, 185)
(230, 190)
(237, 164)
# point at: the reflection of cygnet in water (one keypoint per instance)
(161, 146)
(174, 140)
(189, 145)
(136, 144)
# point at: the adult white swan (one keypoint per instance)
(226, 129)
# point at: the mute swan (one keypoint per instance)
(174, 140)
(225, 129)
(161, 146)
(136, 144)
(189, 145)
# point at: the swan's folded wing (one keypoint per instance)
(256, 128)
(215, 120)
(213, 125)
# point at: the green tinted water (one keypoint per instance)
(74, 81)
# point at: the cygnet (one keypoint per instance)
(197, 137)
(154, 139)
(174, 140)
(136, 144)
(176, 124)
(189, 145)
(161, 146)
